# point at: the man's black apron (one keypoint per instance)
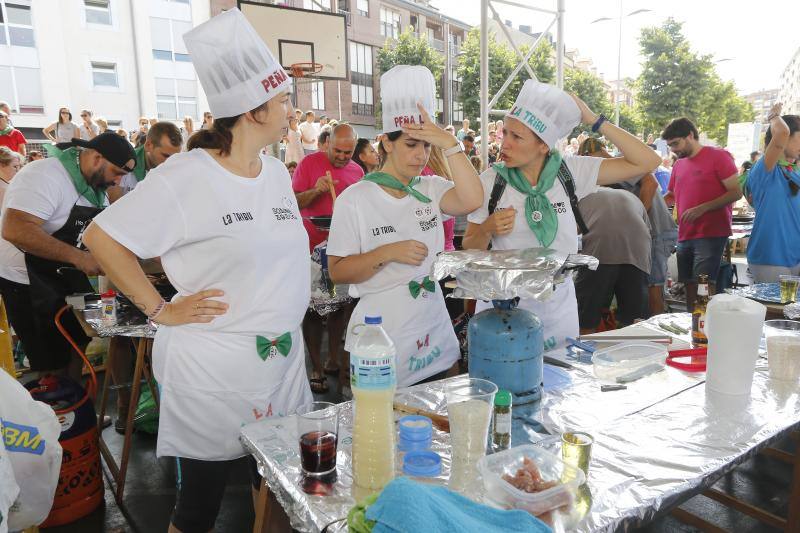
(48, 292)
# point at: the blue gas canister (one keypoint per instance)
(506, 347)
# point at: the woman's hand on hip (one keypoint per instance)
(429, 132)
(197, 308)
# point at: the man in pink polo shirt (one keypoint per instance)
(315, 177)
(703, 187)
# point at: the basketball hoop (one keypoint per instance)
(302, 70)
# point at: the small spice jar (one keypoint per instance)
(501, 422)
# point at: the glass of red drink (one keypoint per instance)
(318, 429)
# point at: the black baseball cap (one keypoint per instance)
(117, 150)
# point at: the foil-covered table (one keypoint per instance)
(658, 443)
(92, 316)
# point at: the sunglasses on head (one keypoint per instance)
(65, 112)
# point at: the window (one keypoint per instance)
(97, 11)
(317, 5)
(22, 88)
(104, 74)
(361, 79)
(458, 112)
(363, 7)
(166, 37)
(176, 99)
(390, 23)
(318, 95)
(16, 25)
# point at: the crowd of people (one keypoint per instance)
(234, 229)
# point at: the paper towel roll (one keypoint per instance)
(733, 326)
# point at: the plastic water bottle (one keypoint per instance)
(373, 380)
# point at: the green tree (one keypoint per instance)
(722, 105)
(502, 61)
(589, 88)
(673, 80)
(408, 49)
(541, 62)
(629, 119)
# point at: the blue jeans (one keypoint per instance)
(700, 256)
(662, 247)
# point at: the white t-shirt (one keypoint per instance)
(366, 217)
(128, 182)
(309, 130)
(584, 172)
(43, 189)
(85, 131)
(216, 230)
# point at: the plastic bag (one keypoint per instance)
(146, 417)
(30, 432)
(8, 488)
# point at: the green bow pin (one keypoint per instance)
(415, 287)
(282, 344)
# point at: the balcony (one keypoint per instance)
(438, 44)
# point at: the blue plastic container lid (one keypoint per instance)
(415, 427)
(373, 320)
(422, 464)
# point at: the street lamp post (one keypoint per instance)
(619, 53)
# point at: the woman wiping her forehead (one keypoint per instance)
(385, 250)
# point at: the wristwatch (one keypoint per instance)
(454, 150)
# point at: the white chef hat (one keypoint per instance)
(401, 88)
(237, 70)
(548, 111)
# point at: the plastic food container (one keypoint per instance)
(624, 359)
(422, 464)
(503, 493)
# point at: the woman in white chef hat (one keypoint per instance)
(224, 221)
(387, 229)
(526, 199)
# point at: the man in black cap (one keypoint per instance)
(45, 211)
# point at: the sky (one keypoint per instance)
(752, 37)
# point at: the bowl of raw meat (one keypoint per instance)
(530, 478)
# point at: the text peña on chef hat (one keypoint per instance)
(236, 68)
(548, 111)
(401, 88)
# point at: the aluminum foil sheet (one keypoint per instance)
(325, 296)
(138, 330)
(792, 311)
(506, 274)
(657, 443)
(762, 292)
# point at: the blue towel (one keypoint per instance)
(406, 506)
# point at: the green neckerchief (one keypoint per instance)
(140, 170)
(416, 286)
(69, 158)
(791, 171)
(539, 212)
(387, 180)
(282, 344)
(6, 131)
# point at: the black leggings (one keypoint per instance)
(201, 485)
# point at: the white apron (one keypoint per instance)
(419, 327)
(204, 423)
(559, 314)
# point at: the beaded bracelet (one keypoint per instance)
(157, 311)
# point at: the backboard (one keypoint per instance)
(302, 36)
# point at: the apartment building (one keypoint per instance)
(789, 92)
(370, 24)
(120, 58)
(762, 102)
